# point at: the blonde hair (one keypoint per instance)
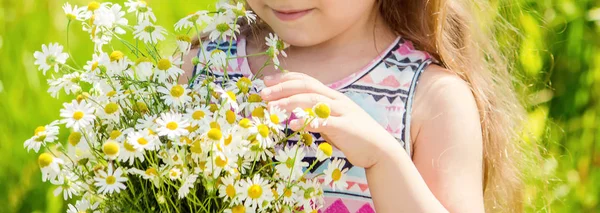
(464, 42)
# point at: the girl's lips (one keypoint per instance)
(290, 15)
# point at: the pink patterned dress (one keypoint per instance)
(384, 88)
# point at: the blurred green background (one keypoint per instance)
(558, 62)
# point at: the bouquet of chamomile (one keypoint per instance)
(139, 141)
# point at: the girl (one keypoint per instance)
(422, 104)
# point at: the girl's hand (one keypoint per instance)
(349, 128)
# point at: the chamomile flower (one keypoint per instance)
(307, 140)
(324, 151)
(51, 57)
(308, 115)
(110, 111)
(41, 136)
(69, 83)
(77, 115)
(184, 44)
(229, 97)
(172, 125)
(256, 152)
(224, 161)
(149, 33)
(68, 184)
(289, 193)
(50, 166)
(82, 205)
(98, 60)
(199, 116)
(143, 69)
(253, 102)
(143, 140)
(263, 133)
(110, 17)
(290, 162)
(175, 95)
(167, 68)
(244, 127)
(275, 117)
(218, 60)
(129, 153)
(175, 173)
(335, 174)
(150, 174)
(111, 149)
(147, 122)
(229, 189)
(222, 27)
(276, 47)
(198, 18)
(141, 9)
(240, 10)
(111, 181)
(184, 190)
(254, 192)
(322, 112)
(73, 12)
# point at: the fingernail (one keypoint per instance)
(265, 92)
(268, 78)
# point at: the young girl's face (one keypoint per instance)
(311, 22)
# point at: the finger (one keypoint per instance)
(293, 87)
(307, 100)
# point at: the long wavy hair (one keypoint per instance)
(461, 35)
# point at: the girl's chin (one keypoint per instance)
(300, 38)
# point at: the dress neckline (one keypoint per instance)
(339, 84)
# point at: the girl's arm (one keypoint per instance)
(445, 173)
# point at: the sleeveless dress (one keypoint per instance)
(384, 88)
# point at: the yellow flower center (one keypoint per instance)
(289, 162)
(287, 192)
(142, 60)
(39, 130)
(111, 108)
(110, 180)
(326, 148)
(223, 27)
(177, 91)
(255, 191)
(220, 162)
(164, 64)
(228, 140)
(94, 66)
(142, 141)
(78, 115)
(231, 95)
(244, 84)
(230, 116)
(141, 106)
(275, 119)
(213, 107)
(74, 138)
(129, 147)
(238, 209)
(215, 125)
(263, 130)
(196, 147)
(336, 175)
(254, 98)
(184, 38)
(310, 112)
(110, 148)
(258, 112)
(149, 29)
(172, 125)
(111, 93)
(307, 139)
(245, 123)
(45, 160)
(116, 55)
(214, 134)
(71, 16)
(230, 191)
(174, 173)
(151, 172)
(199, 114)
(322, 110)
(115, 134)
(94, 5)
(185, 140)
